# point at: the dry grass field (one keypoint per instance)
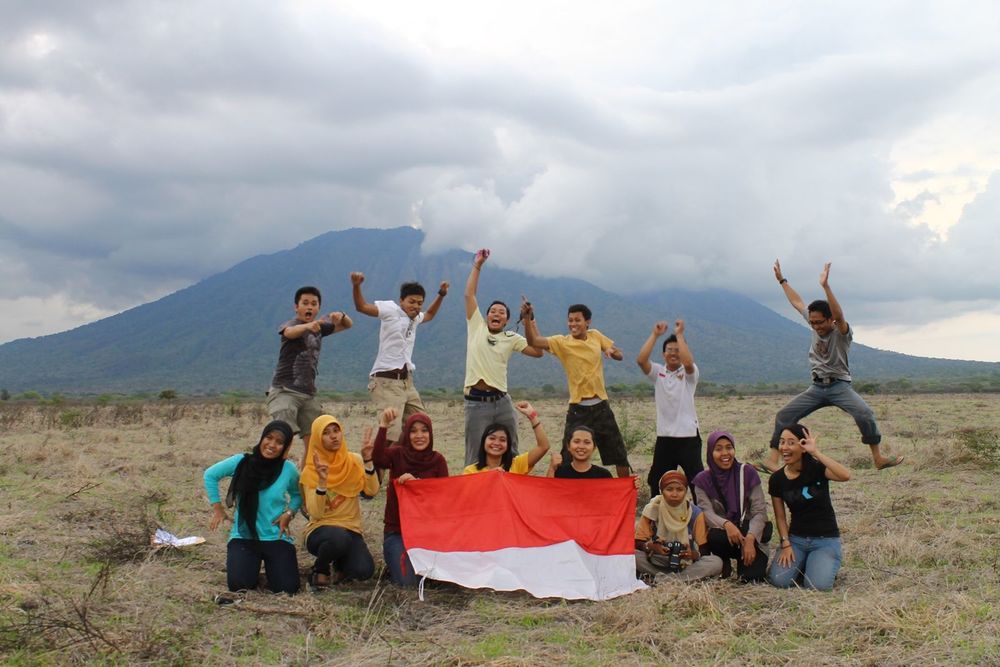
(82, 487)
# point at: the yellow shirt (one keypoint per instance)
(519, 466)
(334, 510)
(486, 354)
(584, 363)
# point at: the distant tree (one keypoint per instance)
(4, 395)
(168, 395)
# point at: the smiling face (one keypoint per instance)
(411, 305)
(496, 443)
(272, 445)
(332, 437)
(673, 492)
(420, 436)
(307, 307)
(790, 448)
(723, 453)
(577, 325)
(496, 318)
(820, 323)
(581, 446)
(672, 356)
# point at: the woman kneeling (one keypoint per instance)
(810, 546)
(265, 491)
(332, 480)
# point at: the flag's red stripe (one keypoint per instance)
(497, 510)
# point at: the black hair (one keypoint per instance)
(580, 308)
(582, 427)
(799, 431)
(822, 307)
(672, 338)
(505, 307)
(508, 456)
(308, 289)
(410, 289)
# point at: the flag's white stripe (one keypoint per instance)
(559, 570)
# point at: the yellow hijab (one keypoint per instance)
(345, 476)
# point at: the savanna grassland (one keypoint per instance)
(83, 486)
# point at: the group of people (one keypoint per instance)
(696, 524)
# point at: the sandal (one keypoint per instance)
(889, 463)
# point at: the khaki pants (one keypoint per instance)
(398, 394)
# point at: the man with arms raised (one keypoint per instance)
(678, 442)
(581, 354)
(488, 349)
(831, 376)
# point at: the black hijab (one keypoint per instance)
(253, 474)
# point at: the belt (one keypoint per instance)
(486, 398)
(824, 380)
(395, 374)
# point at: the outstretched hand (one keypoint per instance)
(777, 271)
(387, 417)
(525, 408)
(809, 443)
(527, 312)
(482, 255)
(357, 278)
(367, 444)
(322, 468)
(443, 289)
(824, 276)
(660, 328)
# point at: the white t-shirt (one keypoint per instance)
(395, 337)
(674, 393)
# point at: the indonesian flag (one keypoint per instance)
(568, 538)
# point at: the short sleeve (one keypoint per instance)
(606, 343)
(693, 378)
(654, 370)
(557, 345)
(520, 342)
(774, 486)
(386, 309)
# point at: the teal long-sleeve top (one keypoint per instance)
(272, 501)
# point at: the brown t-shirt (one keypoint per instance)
(298, 358)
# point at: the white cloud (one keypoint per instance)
(144, 146)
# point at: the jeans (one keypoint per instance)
(400, 569)
(479, 415)
(342, 548)
(817, 559)
(243, 559)
(838, 393)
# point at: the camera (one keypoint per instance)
(674, 550)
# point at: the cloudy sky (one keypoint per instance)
(146, 145)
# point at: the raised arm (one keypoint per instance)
(472, 284)
(535, 339)
(646, 350)
(436, 303)
(360, 304)
(683, 351)
(790, 294)
(835, 310)
(835, 470)
(541, 440)
(380, 450)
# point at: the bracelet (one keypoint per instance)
(783, 281)
(320, 492)
(369, 472)
(536, 424)
(441, 292)
(532, 415)
(367, 460)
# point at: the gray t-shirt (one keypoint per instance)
(299, 357)
(828, 354)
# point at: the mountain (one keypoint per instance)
(221, 333)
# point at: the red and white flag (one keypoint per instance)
(568, 538)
